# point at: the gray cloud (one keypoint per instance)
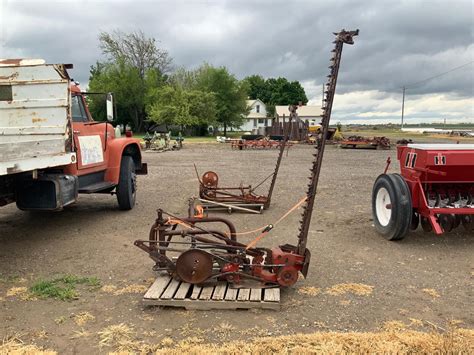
(400, 42)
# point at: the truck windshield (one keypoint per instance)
(78, 110)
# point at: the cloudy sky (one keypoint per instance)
(400, 43)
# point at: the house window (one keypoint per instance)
(255, 122)
(261, 120)
(257, 108)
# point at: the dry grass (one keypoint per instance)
(109, 288)
(416, 322)
(357, 289)
(431, 291)
(15, 291)
(14, 345)
(394, 326)
(134, 288)
(407, 341)
(223, 330)
(309, 290)
(82, 318)
(116, 335)
(81, 334)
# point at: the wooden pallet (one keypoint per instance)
(166, 291)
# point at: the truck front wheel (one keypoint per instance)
(127, 186)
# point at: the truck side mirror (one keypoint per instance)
(110, 107)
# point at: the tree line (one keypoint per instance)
(147, 89)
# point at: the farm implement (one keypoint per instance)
(435, 189)
(260, 142)
(242, 198)
(360, 142)
(194, 253)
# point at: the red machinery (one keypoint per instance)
(209, 254)
(365, 142)
(435, 187)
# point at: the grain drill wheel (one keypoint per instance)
(446, 221)
(391, 206)
(415, 221)
(468, 222)
(426, 225)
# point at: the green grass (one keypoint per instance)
(9, 278)
(62, 288)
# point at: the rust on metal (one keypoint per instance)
(244, 194)
(365, 142)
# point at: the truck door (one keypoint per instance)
(89, 137)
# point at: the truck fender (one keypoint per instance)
(118, 148)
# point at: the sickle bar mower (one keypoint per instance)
(241, 198)
(435, 189)
(208, 254)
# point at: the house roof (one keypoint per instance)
(302, 111)
(256, 115)
(252, 102)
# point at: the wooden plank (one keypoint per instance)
(170, 290)
(272, 295)
(206, 293)
(196, 291)
(231, 294)
(210, 304)
(256, 294)
(158, 287)
(219, 291)
(244, 294)
(182, 291)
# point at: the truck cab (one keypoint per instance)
(47, 113)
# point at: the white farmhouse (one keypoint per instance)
(257, 117)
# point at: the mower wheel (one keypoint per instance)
(127, 186)
(391, 206)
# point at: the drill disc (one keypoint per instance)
(194, 266)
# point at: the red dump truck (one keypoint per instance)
(51, 149)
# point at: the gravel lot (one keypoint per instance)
(424, 277)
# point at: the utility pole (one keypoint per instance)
(403, 105)
(322, 98)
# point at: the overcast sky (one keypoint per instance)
(400, 42)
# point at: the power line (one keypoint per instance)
(438, 75)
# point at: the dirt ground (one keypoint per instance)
(423, 281)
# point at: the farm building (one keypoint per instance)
(257, 117)
(309, 113)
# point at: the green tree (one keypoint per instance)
(230, 95)
(171, 105)
(134, 67)
(274, 92)
(128, 89)
(257, 88)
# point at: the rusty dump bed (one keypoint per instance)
(438, 163)
(34, 116)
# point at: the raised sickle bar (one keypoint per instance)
(202, 255)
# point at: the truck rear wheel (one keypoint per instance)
(127, 186)
(391, 206)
